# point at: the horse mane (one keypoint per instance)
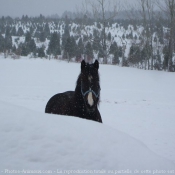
(78, 82)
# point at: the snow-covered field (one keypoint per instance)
(136, 137)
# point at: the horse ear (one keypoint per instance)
(83, 64)
(96, 64)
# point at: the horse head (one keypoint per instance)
(90, 85)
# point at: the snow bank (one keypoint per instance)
(34, 141)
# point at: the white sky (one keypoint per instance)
(17, 8)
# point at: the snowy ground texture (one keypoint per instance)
(136, 137)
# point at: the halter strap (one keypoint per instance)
(90, 90)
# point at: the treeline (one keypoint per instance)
(79, 38)
(57, 33)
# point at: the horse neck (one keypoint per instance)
(80, 106)
(78, 94)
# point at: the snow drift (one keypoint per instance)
(35, 141)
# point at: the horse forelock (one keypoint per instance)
(90, 73)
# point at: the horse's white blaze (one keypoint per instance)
(90, 78)
(90, 99)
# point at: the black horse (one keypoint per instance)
(82, 102)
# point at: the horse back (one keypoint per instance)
(58, 103)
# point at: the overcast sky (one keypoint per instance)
(17, 8)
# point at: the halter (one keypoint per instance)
(90, 90)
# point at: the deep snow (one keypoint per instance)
(137, 109)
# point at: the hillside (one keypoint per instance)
(137, 109)
(123, 41)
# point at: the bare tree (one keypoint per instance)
(169, 9)
(104, 11)
(145, 10)
(147, 14)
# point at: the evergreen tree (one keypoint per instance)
(54, 44)
(65, 36)
(47, 30)
(28, 37)
(113, 48)
(131, 55)
(80, 49)
(14, 49)
(13, 32)
(42, 36)
(41, 53)
(7, 31)
(58, 48)
(24, 49)
(20, 32)
(95, 33)
(8, 41)
(131, 35)
(109, 36)
(32, 46)
(70, 47)
(2, 28)
(67, 48)
(116, 58)
(134, 54)
(2, 43)
(98, 25)
(32, 30)
(143, 54)
(120, 51)
(166, 57)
